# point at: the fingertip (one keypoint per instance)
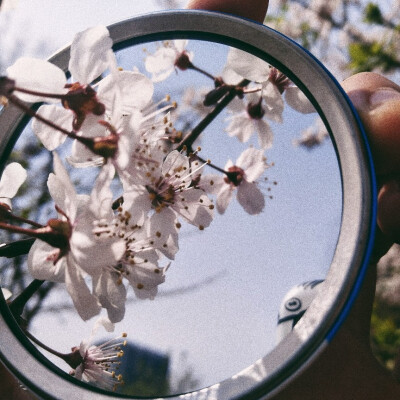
(377, 100)
(367, 81)
(251, 9)
(389, 210)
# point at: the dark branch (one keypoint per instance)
(18, 248)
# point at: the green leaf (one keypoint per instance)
(372, 14)
(369, 56)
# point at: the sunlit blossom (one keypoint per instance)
(169, 191)
(273, 83)
(39, 80)
(241, 178)
(99, 363)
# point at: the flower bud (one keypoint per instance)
(5, 211)
(7, 86)
(106, 147)
(183, 62)
(82, 100)
(234, 175)
(56, 233)
(255, 110)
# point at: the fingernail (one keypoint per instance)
(383, 95)
(359, 98)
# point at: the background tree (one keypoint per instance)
(348, 36)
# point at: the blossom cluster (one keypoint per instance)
(102, 242)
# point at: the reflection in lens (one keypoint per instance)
(227, 193)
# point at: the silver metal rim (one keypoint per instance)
(321, 321)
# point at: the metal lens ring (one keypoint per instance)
(321, 322)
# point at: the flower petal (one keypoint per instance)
(252, 161)
(84, 301)
(274, 103)
(37, 75)
(41, 265)
(247, 65)
(6, 293)
(145, 281)
(91, 254)
(61, 189)
(198, 208)
(101, 197)
(136, 90)
(223, 198)
(50, 137)
(105, 323)
(298, 100)
(13, 177)
(241, 126)
(90, 54)
(161, 63)
(250, 198)
(212, 183)
(175, 164)
(265, 135)
(180, 44)
(111, 295)
(162, 230)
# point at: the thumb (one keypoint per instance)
(377, 101)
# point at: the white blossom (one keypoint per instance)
(13, 177)
(296, 99)
(247, 117)
(84, 253)
(167, 58)
(313, 136)
(169, 191)
(91, 55)
(242, 178)
(98, 363)
(273, 84)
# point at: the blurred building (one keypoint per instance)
(144, 371)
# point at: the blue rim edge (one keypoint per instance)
(370, 245)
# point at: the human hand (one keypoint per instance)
(377, 101)
(10, 389)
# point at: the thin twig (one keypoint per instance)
(17, 305)
(188, 141)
